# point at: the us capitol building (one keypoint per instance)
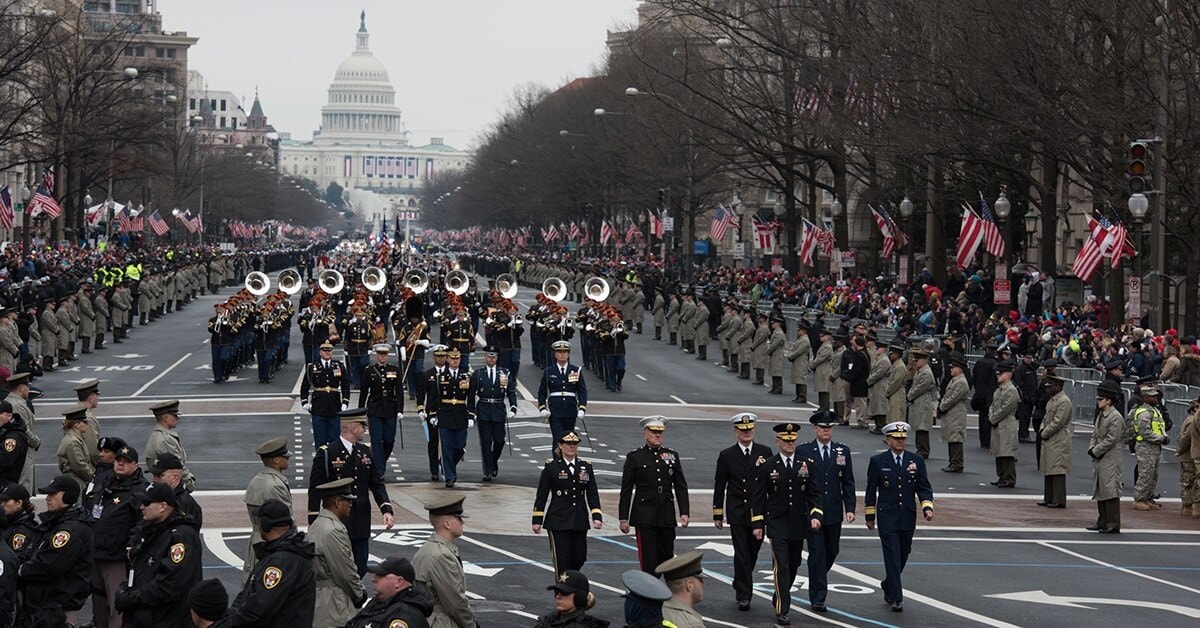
(362, 144)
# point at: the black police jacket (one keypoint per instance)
(12, 452)
(411, 606)
(167, 560)
(58, 573)
(574, 619)
(20, 534)
(120, 503)
(282, 590)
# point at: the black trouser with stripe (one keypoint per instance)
(568, 549)
(785, 562)
(655, 545)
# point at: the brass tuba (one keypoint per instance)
(331, 281)
(597, 289)
(258, 283)
(554, 289)
(289, 281)
(506, 285)
(374, 278)
(416, 280)
(456, 282)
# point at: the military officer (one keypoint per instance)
(166, 559)
(347, 457)
(733, 488)
(799, 353)
(895, 386)
(325, 391)
(952, 413)
(1054, 432)
(88, 394)
(683, 576)
(495, 403)
(357, 335)
(877, 382)
(438, 567)
(339, 587)
(785, 506)
(743, 340)
(427, 392)
(896, 479)
(1104, 449)
(922, 399)
(382, 394)
(832, 472)
(281, 591)
(822, 365)
(1002, 416)
(164, 439)
(73, 459)
(652, 482)
(570, 485)
(270, 483)
(452, 412)
(562, 393)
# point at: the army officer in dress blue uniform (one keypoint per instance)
(495, 403)
(895, 481)
(324, 392)
(733, 488)
(570, 485)
(382, 395)
(562, 394)
(347, 457)
(651, 482)
(833, 474)
(452, 410)
(787, 503)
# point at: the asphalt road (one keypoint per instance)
(998, 543)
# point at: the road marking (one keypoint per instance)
(190, 415)
(299, 379)
(160, 375)
(1120, 569)
(1041, 597)
(108, 401)
(215, 542)
(639, 376)
(525, 394)
(684, 402)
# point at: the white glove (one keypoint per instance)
(433, 421)
(581, 413)
(345, 407)
(470, 423)
(307, 406)
(545, 414)
(512, 413)
(400, 416)
(423, 342)
(421, 415)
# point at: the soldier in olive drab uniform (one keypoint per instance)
(700, 330)
(652, 482)
(164, 439)
(347, 457)
(822, 365)
(785, 506)
(166, 558)
(775, 353)
(427, 393)
(382, 395)
(673, 318)
(50, 333)
(439, 568)
(1054, 432)
(1002, 416)
(733, 488)
(952, 413)
(100, 307)
(66, 333)
(281, 591)
(799, 353)
(724, 331)
(743, 340)
(758, 349)
(895, 386)
(87, 317)
(837, 385)
(659, 310)
(74, 460)
(922, 398)
(324, 392)
(1150, 435)
(339, 587)
(270, 483)
(1104, 449)
(88, 393)
(18, 397)
(570, 485)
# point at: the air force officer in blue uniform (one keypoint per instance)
(495, 403)
(832, 473)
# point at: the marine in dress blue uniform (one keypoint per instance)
(896, 479)
(562, 393)
(832, 472)
(786, 505)
(495, 403)
(570, 486)
(733, 488)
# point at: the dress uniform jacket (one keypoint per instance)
(724, 329)
(892, 492)
(357, 337)
(572, 497)
(733, 485)
(562, 395)
(454, 400)
(923, 397)
(877, 383)
(50, 330)
(837, 390)
(673, 315)
(952, 410)
(10, 346)
(333, 462)
(382, 392)
(687, 326)
(409, 607)
(339, 588)
(758, 347)
(66, 326)
(834, 479)
(100, 307)
(58, 573)
(681, 616)
(73, 459)
(799, 353)
(1056, 436)
(745, 340)
(493, 397)
(268, 484)
(166, 559)
(439, 570)
(786, 501)
(325, 388)
(895, 391)
(822, 366)
(1106, 452)
(87, 317)
(281, 591)
(700, 324)
(1003, 417)
(651, 482)
(659, 310)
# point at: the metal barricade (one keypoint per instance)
(1079, 374)
(1083, 401)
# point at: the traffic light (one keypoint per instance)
(662, 197)
(1139, 173)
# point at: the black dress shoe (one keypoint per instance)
(743, 605)
(951, 470)
(819, 607)
(995, 483)
(1094, 529)
(450, 484)
(435, 478)
(782, 620)
(487, 478)
(1007, 485)
(1044, 503)
(1055, 505)
(1110, 531)
(897, 607)
(887, 599)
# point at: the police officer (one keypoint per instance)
(382, 395)
(562, 393)
(452, 412)
(19, 532)
(270, 483)
(55, 578)
(281, 591)
(651, 482)
(167, 468)
(114, 506)
(12, 446)
(325, 391)
(339, 586)
(398, 597)
(427, 392)
(166, 559)
(786, 505)
(733, 488)
(570, 485)
(164, 439)
(347, 457)
(495, 403)
(896, 479)
(832, 472)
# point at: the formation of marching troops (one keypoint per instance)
(244, 332)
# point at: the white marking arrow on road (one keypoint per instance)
(129, 356)
(80, 381)
(476, 570)
(722, 548)
(1041, 597)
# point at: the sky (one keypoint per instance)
(454, 63)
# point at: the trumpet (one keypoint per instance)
(618, 328)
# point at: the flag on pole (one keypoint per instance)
(574, 230)
(827, 240)
(1122, 244)
(993, 241)
(1101, 240)
(765, 230)
(606, 232)
(722, 220)
(552, 234)
(656, 222)
(138, 224)
(6, 208)
(631, 231)
(893, 237)
(808, 242)
(970, 236)
(159, 225)
(43, 200)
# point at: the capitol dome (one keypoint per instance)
(362, 102)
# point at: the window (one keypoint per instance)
(192, 104)
(222, 104)
(171, 53)
(128, 51)
(160, 52)
(141, 51)
(233, 123)
(212, 104)
(222, 122)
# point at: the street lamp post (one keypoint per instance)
(87, 204)
(1031, 224)
(907, 209)
(1139, 204)
(835, 212)
(1003, 207)
(778, 209)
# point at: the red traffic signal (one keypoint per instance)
(1139, 167)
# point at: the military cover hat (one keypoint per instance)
(744, 421)
(446, 505)
(787, 431)
(684, 565)
(340, 487)
(165, 407)
(353, 415)
(87, 387)
(656, 423)
(569, 437)
(645, 586)
(824, 418)
(897, 429)
(561, 345)
(78, 413)
(273, 447)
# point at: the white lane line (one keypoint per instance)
(525, 394)
(190, 415)
(767, 596)
(639, 376)
(1120, 569)
(299, 379)
(215, 543)
(161, 375)
(682, 401)
(111, 401)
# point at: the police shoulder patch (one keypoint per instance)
(18, 541)
(272, 576)
(178, 552)
(10, 444)
(398, 623)
(60, 539)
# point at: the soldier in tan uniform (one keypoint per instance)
(745, 335)
(18, 396)
(895, 386)
(922, 396)
(100, 307)
(1003, 417)
(440, 570)
(270, 483)
(821, 367)
(339, 588)
(87, 317)
(10, 339)
(775, 354)
(50, 330)
(164, 439)
(682, 574)
(73, 458)
(952, 413)
(877, 382)
(799, 353)
(758, 349)
(1055, 432)
(88, 394)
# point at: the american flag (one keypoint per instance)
(138, 223)
(970, 236)
(808, 243)
(722, 220)
(827, 240)
(765, 229)
(159, 225)
(6, 208)
(656, 222)
(1101, 240)
(574, 230)
(552, 234)
(1119, 235)
(606, 232)
(43, 198)
(631, 231)
(124, 221)
(893, 237)
(993, 242)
